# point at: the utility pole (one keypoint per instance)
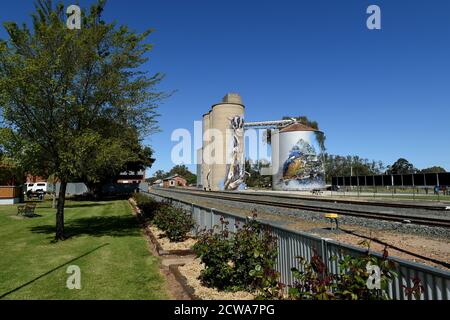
(351, 167)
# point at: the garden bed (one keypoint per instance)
(191, 272)
(166, 247)
(247, 260)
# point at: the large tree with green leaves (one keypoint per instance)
(75, 103)
(434, 169)
(158, 175)
(10, 174)
(180, 170)
(339, 166)
(184, 171)
(401, 166)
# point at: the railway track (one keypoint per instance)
(376, 203)
(247, 198)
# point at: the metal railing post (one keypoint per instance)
(324, 253)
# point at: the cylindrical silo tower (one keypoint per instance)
(205, 165)
(297, 153)
(227, 124)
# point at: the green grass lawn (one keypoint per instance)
(106, 242)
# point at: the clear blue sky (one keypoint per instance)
(377, 94)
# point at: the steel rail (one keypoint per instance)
(344, 201)
(403, 218)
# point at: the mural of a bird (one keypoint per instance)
(293, 164)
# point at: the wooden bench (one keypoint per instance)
(26, 210)
(333, 218)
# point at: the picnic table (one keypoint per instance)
(26, 210)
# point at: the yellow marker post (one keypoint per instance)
(333, 218)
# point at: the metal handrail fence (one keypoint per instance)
(293, 244)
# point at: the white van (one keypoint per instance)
(38, 186)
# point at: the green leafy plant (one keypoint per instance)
(175, 222)
(76, 104)
(254, 256)
(147, 205)
(270, 287)
(313, 281)
(243, 260)
(216, 251)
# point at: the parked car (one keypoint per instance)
(37, 187)
(333, 188)
(38, 194)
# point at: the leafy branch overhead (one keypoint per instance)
(77, 103)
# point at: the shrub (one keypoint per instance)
(176, 223)
(315, 282)
(244, 260)
(215, 251)
(160, 218)
(147, 205)
(254, 254)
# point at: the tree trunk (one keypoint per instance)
(54, 196)
(54, 200)
(60, 211)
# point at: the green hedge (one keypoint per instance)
(147, 205)
(176, 223)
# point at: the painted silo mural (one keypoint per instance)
(235, 162)
(298, 151)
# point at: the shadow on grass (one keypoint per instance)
(101, 197)
(30, 216)
(70, 205)
(52, 270)
(114, 226)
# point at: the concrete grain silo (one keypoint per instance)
(296, 152)
(227, 135)
(205, 166)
